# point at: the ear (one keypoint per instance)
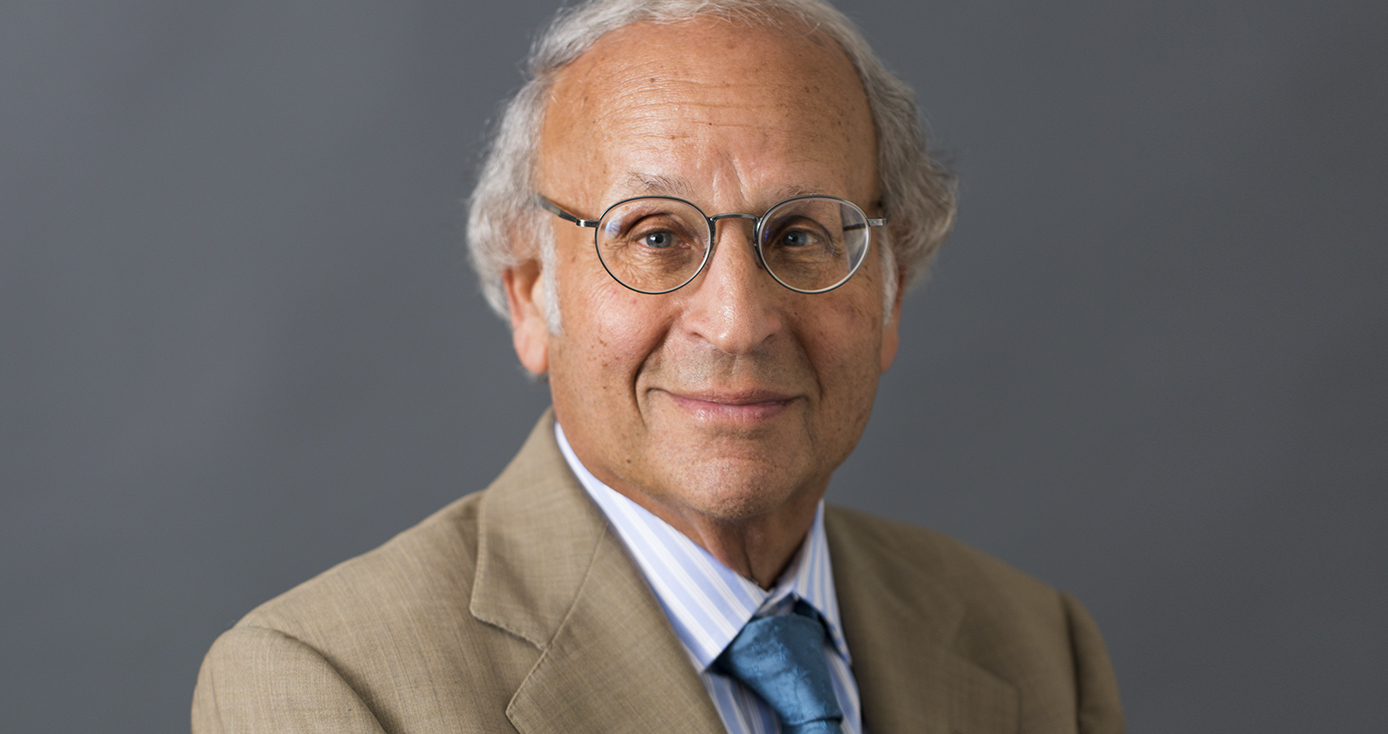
(525, 299)
(891, 338)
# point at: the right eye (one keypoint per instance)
(659, 239)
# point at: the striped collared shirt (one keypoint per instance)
(707, 603)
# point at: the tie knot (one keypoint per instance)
(782, 660)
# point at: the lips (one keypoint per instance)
(730, 397)
(744, 407)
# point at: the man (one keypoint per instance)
(699, 219)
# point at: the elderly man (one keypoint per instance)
(699, 218)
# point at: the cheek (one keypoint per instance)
(614, 329)
(847, 349)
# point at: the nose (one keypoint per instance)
(734, 304)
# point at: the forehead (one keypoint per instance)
(684, 108)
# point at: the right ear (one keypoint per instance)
(525, 298)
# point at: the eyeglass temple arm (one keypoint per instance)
(554, 209)
(869, 223)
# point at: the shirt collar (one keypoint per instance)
(708, 603)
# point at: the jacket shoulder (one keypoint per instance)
(384, 638)
(426, 564)
(964, 570)
(1039, 640)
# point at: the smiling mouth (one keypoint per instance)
(748, 408)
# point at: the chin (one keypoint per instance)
(737, 490)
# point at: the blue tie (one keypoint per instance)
(782, 659)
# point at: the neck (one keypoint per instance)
(759, 548)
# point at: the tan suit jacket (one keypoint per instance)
(518, 609)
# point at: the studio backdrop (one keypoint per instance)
(240, 341)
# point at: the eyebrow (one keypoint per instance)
(659, 185)
(790, 192)
(655, 185)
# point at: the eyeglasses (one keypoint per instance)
(656, 244)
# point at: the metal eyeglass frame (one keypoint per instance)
(712, 221)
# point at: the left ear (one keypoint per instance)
(891, 338)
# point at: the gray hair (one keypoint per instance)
(505, 228)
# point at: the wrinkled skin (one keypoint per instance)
(725, 406)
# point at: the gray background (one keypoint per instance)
(239, 341)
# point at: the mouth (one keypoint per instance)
(748, 407)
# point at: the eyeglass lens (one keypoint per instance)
(655, 244)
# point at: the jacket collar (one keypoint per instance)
(902, 624)
(551, 571)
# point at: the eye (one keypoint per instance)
(796, 238)
(802, 240)
(659, 239)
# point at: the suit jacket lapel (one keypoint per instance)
(900, 624)
(550, 571)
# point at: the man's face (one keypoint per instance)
(732, 397)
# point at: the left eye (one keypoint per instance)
(659, 240)
(795, 238)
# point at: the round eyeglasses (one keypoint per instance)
(656, 244)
